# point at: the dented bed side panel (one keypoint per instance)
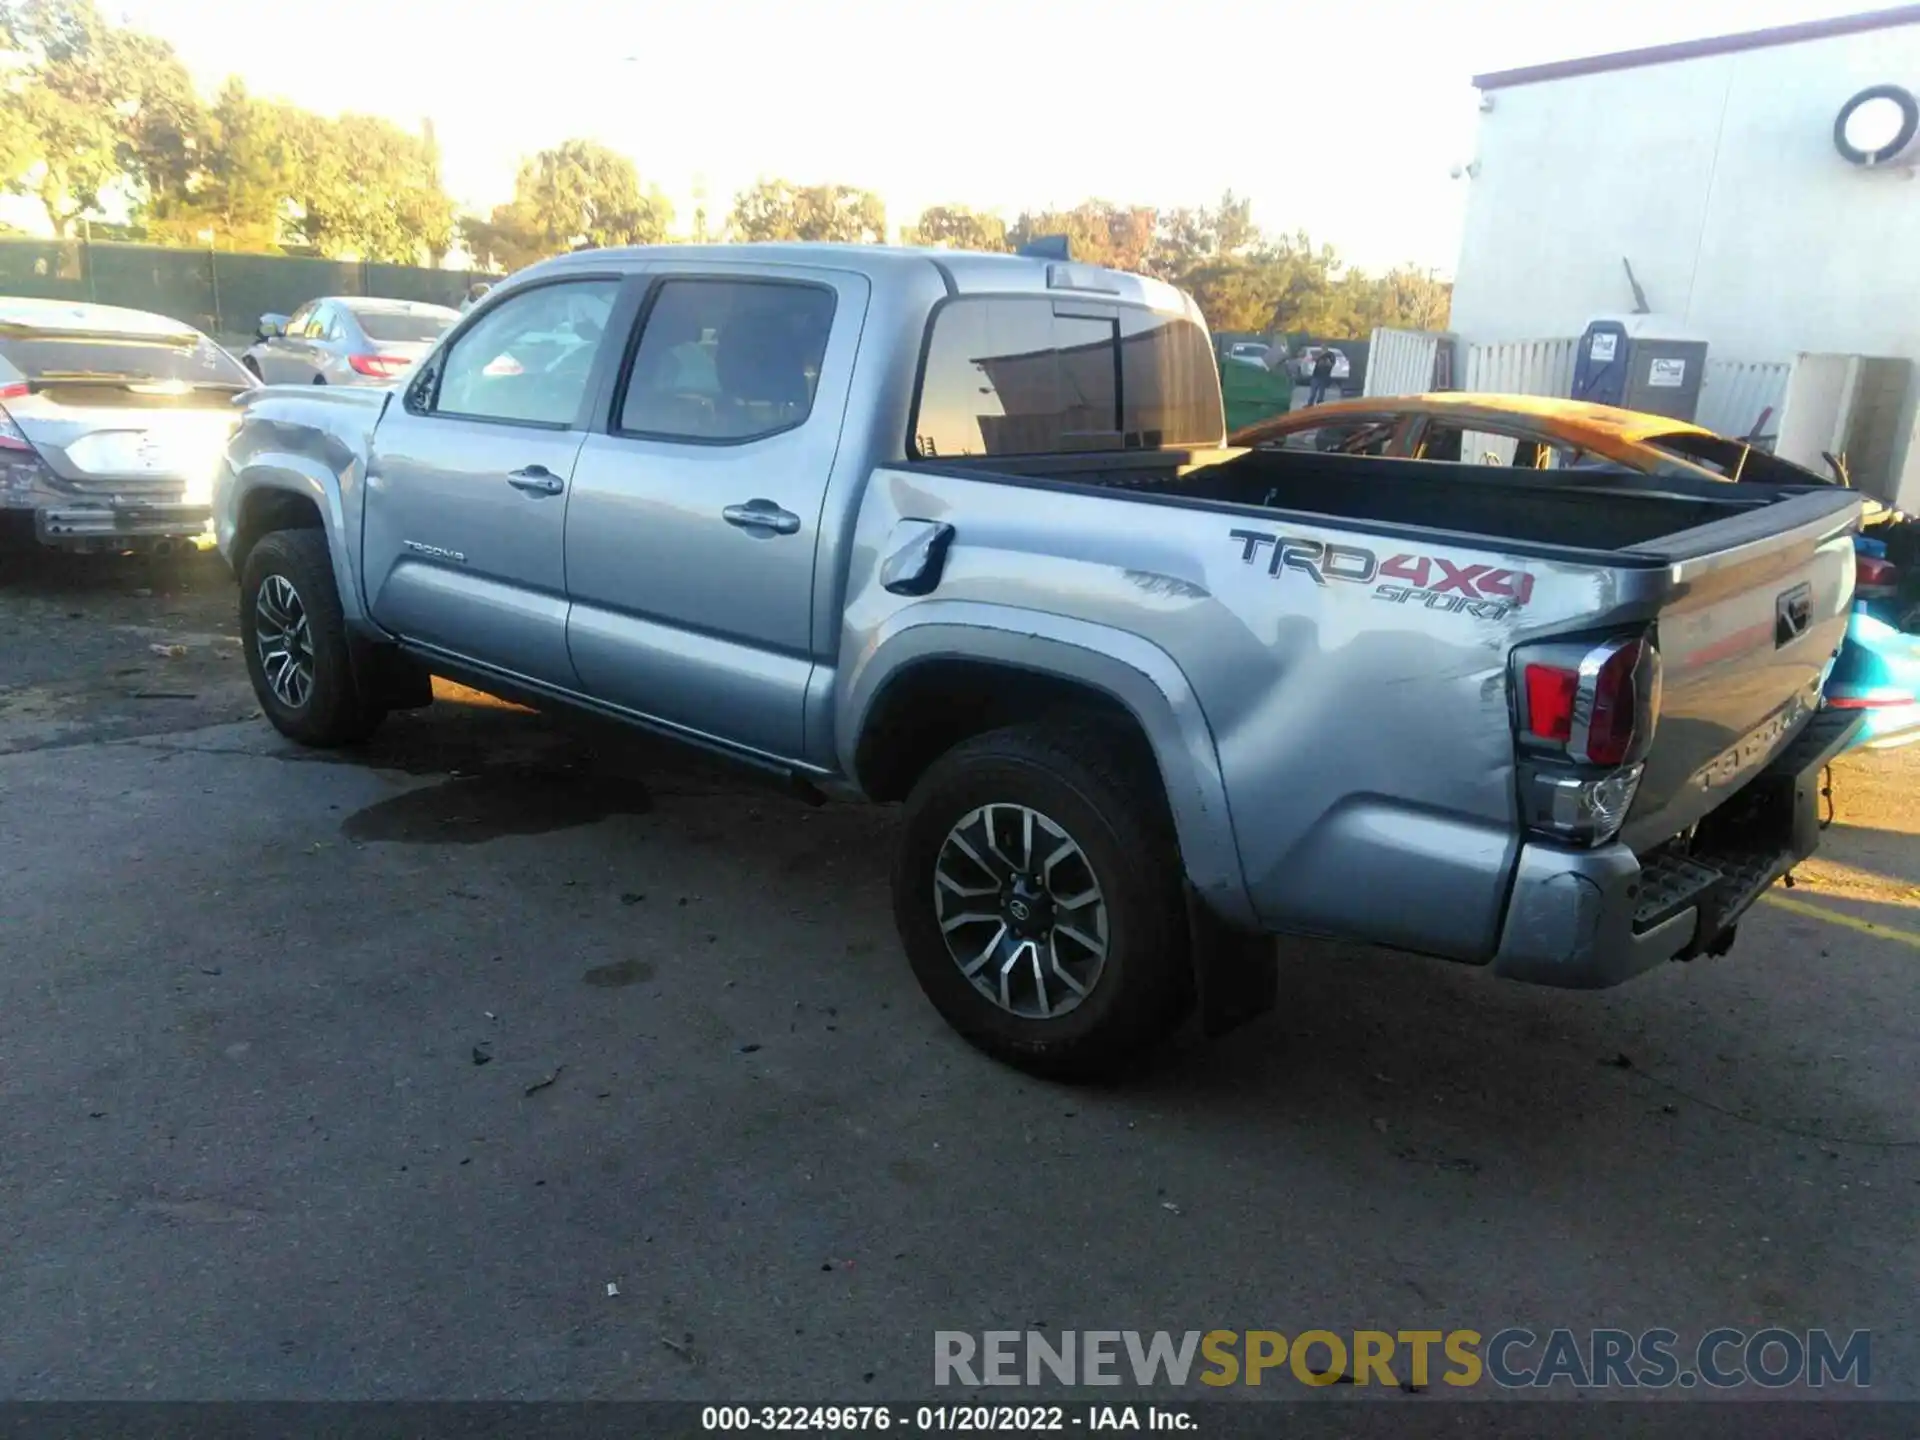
(1353, 687)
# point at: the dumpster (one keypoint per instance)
(1253, 392)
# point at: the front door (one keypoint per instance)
(696, 513)
(467, 487)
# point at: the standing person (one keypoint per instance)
(1322, 376)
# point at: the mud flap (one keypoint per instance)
(1236, 973)
(385, 674)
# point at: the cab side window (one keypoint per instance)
(528, 359)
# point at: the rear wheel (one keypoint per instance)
(1038, 894)
(253, 368)
(296, 646)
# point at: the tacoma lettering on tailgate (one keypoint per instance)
(1484, 591)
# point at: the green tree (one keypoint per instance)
(575, 195)
(249, 161)
(163, 134)
(781, 210)
(1189, 238)
(955, 227)
(370, 189)
(87, 105)
(1412, 299)
(1098, 232)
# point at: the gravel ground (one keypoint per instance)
(375, 1075)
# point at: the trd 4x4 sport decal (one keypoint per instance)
(1483, 591)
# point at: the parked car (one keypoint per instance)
(1303, 364)
(1250, 352)
(822, 509)
(112, 422)
(1879, 667)
(346, 341)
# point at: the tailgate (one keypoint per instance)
(1756, 611)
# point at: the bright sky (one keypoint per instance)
(1343, 117)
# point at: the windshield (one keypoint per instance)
(190, 360)
(1034, 376)
(401, 326)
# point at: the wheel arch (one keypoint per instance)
(291, 492)
(941, 672)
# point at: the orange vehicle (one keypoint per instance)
(1529, 431)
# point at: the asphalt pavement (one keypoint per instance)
(504, 1060)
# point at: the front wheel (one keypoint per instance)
(1038, 893)
(296, 646)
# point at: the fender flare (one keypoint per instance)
(308, 477)
(1135, 673)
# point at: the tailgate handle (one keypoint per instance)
(1792, 614)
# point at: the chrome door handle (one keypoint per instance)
(762, 515)
(536, 480)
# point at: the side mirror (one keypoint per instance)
(272, 325)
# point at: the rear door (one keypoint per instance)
(696, 513)
(468, 482)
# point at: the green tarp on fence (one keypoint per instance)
(223, 294)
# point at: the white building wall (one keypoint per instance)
(1718, 179)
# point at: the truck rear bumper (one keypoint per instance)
(1587, 919)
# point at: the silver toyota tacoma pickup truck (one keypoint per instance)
(961, 531)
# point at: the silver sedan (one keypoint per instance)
(346, 340)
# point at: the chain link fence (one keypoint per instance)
(220, 293)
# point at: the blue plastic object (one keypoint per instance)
(1878, 674)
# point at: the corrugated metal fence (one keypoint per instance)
(1735, 393)
(220, 293)
(1404, 362)
(1522, 367)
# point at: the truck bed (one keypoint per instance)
(1709, 567)
(1602, 512)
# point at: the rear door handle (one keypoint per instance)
(762, 515)
(536, 480)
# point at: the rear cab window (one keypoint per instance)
(1040, 375)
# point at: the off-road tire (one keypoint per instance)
(1098, 784)
(335, 712)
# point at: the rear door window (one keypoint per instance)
(727, 361)
(1039, 376)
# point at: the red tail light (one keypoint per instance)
(1612, 727)
(1874, 572)
(11, 436)
(1596, 704)
(380, 367)
(1550, 694)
